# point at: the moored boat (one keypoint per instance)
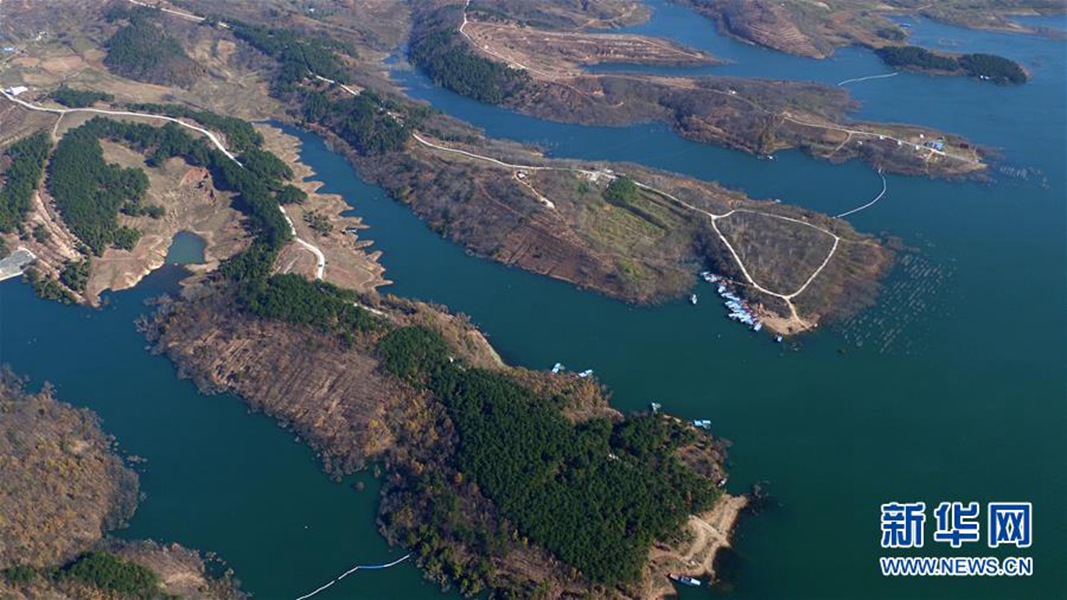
(685, 580)
(739, 310)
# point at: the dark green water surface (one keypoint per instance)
(186, 248)
(952, 388)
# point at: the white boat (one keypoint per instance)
(693, 299)
(739, 311)
(585, 373)
(685, 580)
(557, 368)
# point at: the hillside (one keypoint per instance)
(500, 200)
(142, 50)
(367, 379)
(565, 14)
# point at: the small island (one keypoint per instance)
(987, 67)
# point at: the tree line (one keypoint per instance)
(991, 66)
(293, 299)
(451, 64)
(367, 122)
(26, 159)
(624, 193)
(100, 571)
(916, 57)
(298, 54)
(89, 192)
(240, 135)
(72, 98)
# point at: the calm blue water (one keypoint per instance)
(951, 389)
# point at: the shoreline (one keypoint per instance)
(710, 532)
(349, 262)
(729, 200)
(722, 520)
(383, 419)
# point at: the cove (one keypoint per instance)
(215, 478)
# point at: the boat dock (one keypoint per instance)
(740, 311)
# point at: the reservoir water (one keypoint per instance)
(186, 248)
(952, 388)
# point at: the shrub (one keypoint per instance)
(106, 571)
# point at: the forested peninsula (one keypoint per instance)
(522, 499)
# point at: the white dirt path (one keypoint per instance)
(320, 257)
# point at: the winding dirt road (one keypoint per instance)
(123, 113)
(786, 297)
